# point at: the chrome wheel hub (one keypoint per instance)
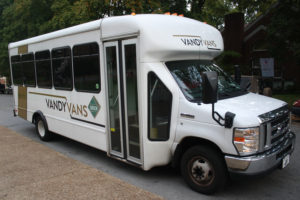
(41, 128)
(201, 171)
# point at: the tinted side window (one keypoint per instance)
(159, 109)
(86, 67)
(17, 70)
(43, 69)
(28, 69)
(62, 68)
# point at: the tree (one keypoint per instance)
(4, 70)
(284, 29)
(152, 6)
(213, 12)
(251, 9)
(63, 16)
(20, 19)
(196, 8)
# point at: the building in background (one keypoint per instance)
(250, 41)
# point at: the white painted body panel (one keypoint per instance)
(159, 152)
(246, 107)
(160, 36)
(61, 122)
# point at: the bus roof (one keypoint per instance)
(93, 25)
(162, 37)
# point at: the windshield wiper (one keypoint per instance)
(227, 94)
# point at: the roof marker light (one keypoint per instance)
(181, 15)
(133, 13)
(167, 13)
(174, 14)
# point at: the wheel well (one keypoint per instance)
(37, 114)
(187, 143)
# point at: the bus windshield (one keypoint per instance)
(187, 74)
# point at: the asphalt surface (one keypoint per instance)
(165, 181)
(30, 170)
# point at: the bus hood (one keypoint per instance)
(246, 108)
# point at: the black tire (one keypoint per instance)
(204, 169)
(41, 128)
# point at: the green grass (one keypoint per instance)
(289, 98)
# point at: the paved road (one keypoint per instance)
(164, 181)
(26, 173)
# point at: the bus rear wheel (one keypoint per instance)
(203, 169)
(42, 129)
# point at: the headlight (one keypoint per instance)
(246, 140)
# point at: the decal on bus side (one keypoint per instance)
(77, 109)
(71, 108)
(198, 42)
(193, 40)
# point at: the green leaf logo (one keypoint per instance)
(94, 106)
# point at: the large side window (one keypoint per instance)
(62, 68)
(23, 70)
(17, 70)
(43, 69)
(86, 67)
(159, 109)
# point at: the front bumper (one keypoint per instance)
(262, 162)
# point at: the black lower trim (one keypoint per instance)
(87, 122)
(214, 48)
(177, 155)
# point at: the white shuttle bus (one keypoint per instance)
(145, 89)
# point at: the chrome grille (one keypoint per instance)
(279, 129)
(275, 127)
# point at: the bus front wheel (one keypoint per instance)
(42, 129)
(203, 169)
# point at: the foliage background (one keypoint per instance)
(21, 19)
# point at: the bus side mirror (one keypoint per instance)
(210, 87)
(210, 96)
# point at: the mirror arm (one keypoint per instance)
(220, 118)
(227, 122)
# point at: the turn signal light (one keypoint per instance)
(239, 139)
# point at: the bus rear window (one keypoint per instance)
(23, 69)
(17, 70)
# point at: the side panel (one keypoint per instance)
(157, 153)
(22, 102)
(80, 116)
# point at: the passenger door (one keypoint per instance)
(122, 99)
